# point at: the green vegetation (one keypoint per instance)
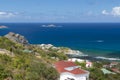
(38, 63)
(26, 66)
(96, 72)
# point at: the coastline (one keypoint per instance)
(74, 36)
(71, 53)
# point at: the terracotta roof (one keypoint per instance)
(61, 65)
(114, 63)
(65, 64)
(115, 70)
(89, 62)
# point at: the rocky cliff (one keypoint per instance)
(17, 38)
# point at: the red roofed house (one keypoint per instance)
(70, 71)
(89, 64)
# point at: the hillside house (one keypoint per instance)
(70, 71)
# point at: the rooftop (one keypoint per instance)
(105, 71)
(67, 66)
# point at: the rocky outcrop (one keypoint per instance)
(17, 38)
(65, 50)
(6, 52)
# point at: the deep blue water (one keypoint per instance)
(81, 36)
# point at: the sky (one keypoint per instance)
(60, 11)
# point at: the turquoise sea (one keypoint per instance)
(96, 39)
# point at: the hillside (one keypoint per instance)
(28, 63)
(20, 60)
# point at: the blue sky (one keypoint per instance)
(59, 10)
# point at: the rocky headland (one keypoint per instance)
(17, 38)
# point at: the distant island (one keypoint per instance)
(51, 26)
(3, 27)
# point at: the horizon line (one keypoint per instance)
(59, 22)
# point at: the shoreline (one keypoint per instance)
(66, 50)
(71, 53)
(92, 58)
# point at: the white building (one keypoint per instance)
(76, 59)
(46, 46)
(70, 71)
(89, 64)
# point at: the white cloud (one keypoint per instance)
(105, 12)
(114, 12)
(7, 14)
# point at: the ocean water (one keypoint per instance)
(90, 38)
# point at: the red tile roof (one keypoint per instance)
(115, 70)
(114, 63)
(61, 65)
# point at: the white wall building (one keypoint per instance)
(70, 71)
(89, 64)
(76, 59)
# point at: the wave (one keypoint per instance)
(88, 57)
(97, 41)
(105, 58)
(100, 41)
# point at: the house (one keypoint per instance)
(115, 70)
(89, 64)
(76, 59)
(27, 51)
(112, 64)
(106, 66)
(70, 71)
(105, 71)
